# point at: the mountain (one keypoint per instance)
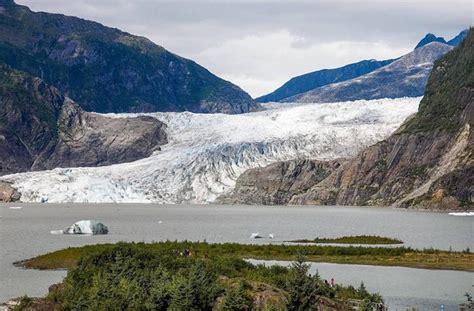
(428, 162)
(428, 39)
(41, 129)
(457, 39)
(106, 70)
(432, 38)
(312, 80)
(406, 76)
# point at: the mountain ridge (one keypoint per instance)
(455, 41)
(311, 80)
(404, 77)
(106, 70)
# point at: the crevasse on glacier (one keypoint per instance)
(207, 152)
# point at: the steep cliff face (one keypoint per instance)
(279, 182)
(42, 129)
(29, 110)
(405, 170)
(88, 139)
(428, 162)
(106, 70)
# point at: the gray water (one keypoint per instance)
(26, 232)
(400, 287)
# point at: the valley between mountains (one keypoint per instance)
(206, 153)
(90, 113)
(376, 152)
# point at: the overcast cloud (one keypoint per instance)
(261, 44)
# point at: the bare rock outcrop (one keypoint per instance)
(8, 193)
(41, 129)
(279, 182)
(89, 139)
(428, 171)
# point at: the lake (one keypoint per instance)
(25, 233)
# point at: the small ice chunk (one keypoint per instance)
(271, 236)
(87, 227)
(57, 232)
(255, 235)
(16, 207)
(462, 214)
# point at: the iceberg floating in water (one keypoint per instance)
(255, 235)
(462, 214)
(15, 207)
(84, 227)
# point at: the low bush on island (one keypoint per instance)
(353, 239)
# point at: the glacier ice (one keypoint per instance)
(207, 152)
(84, 227)
(462, 214)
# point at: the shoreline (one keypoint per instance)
(214, 204)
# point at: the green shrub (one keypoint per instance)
(303, 289)
(138, 276)
(24, 303)
(237, 298)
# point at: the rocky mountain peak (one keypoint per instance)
(428, 39)
(457, 39)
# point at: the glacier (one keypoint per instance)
(206, 153)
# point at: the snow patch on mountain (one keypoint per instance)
(206, 153)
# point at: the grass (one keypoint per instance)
(378, 256)
(357, 239)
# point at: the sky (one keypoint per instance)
(261, 44)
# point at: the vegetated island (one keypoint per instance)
(188, 276)
(353, 239)
(379, 256)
